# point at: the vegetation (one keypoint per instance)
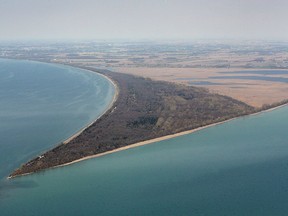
(269, 106)
(144, 109)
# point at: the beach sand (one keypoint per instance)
(146, 142)
(110, 105)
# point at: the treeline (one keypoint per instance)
(270, 106)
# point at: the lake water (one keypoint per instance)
(42, 105)
(237, 168)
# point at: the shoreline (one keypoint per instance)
(151, 141)
(104, 112)
(75, 135)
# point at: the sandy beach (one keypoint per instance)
(151, 141)
(110, 105)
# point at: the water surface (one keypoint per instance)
(238, 168)
(42, 105)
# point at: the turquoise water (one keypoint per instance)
(237, 168)
(42, 105)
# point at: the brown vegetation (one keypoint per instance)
(253, 92)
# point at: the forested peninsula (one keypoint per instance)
(144, 109)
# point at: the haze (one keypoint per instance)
(143, 19)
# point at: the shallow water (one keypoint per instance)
(42, 105)
(237, 168)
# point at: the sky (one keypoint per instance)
(143, 19)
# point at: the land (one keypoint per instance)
(200, 63)
(165, 88)
(144, 110)
(251, 91)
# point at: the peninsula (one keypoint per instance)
(144, 109)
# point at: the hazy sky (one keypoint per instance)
(143, 19)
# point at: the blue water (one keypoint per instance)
(42, 105)
(237, 168)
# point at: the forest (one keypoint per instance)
(144, 109)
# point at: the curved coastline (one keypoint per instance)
(106, 110)
(141, 143)
(151, 141)
(76, 134)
